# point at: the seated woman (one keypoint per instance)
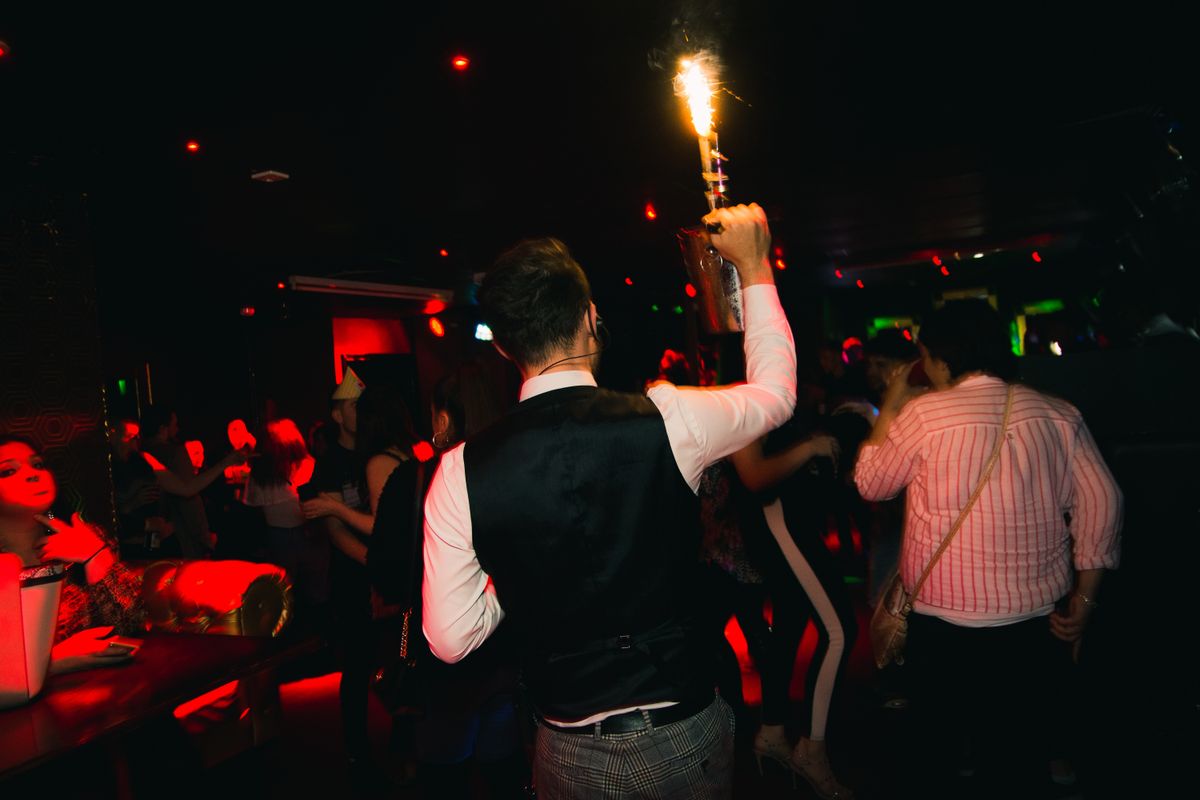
(100, 592)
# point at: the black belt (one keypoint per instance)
(634, 721)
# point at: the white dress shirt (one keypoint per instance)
(703, 426)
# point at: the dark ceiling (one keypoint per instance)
(875, 135)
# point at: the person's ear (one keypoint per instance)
(441, 422)
(336, 413)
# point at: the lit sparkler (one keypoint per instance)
(719, 291)
(695, 84)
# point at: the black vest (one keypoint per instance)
(591, 536)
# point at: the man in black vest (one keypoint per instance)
(576, 518)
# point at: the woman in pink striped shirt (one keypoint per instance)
(983, 650)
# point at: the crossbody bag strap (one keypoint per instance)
(983, 479)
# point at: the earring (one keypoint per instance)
(440, 440)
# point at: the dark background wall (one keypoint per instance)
(52, 385)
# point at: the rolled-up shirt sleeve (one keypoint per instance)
(705, 425)
(1095, 504)
(883, 470)
(460, 607)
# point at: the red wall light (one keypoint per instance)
(444, 253)
(1037, 257)
(281, 285)
(837, 272)
(689, 290)
(460, 63)
(780, 264)
(945, 271)
(436, 327)
(192, 147)
(859, 283)
(434, 306)
(937, 261)
(651, 213)
(3, 49)
(247, 311)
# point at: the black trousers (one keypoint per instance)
(987, 703)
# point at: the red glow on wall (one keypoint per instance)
(436, 327)
(651, 213)
(423, 451)
(444, 253)
(945, 271)
(434, 306)
(937, 261)
(629, 281)
(838, 272)
(193, 146)
(3, 51)
(859, 283)
(689, 290)
(460, 63)
(1037, 257)
(780, 264)
(361, 336)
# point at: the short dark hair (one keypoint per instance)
(970, 337)
(533, 298)
(154, 419)
(383, 420)
(890, 343)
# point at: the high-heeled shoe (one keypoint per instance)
(773, 750)
(819, 775)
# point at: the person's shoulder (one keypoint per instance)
(1032, 400)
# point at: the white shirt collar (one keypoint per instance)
(540, 384)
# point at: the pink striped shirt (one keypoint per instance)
(1013, 557)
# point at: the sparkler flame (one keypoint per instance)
(694, 84)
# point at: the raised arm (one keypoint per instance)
(705, 425)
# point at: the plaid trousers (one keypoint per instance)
(692, 758)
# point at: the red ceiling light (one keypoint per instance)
(444, 253)
(192, 146)
(629, 281)
(436, 327)
(837, 272)
(460, 63)
(1037, 257)
(937, 261)
(859, 283)
(434, 306)
(651, 213)
(689, 290)
(945, 271)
